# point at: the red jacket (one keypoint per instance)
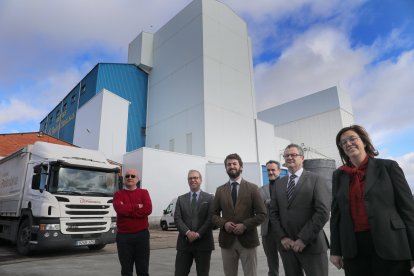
(133, 209)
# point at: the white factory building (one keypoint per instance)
(200, 106)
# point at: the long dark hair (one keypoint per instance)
(363, 135)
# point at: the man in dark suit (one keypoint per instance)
(238, 209)
(299, 209)
(269, 241)
(193, 220)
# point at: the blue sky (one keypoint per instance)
(302, 46)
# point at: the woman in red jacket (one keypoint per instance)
(133, 206)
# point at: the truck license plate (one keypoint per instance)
(85, 242)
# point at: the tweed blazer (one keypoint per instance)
(390, 208)
(201, 223)
(249, 210)
(304, 216)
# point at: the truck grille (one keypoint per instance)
(78, 206)
(92, 213)
(87, 210)
(84, 219)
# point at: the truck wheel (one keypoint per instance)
(164, 226)
(96, 246)
(23, 238)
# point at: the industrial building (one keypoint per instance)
(185, 100)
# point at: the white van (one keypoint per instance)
(167, 220)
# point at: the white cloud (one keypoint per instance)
(263, 10)
(16, 110)
(45, 35)
(388, 84)
(273, 24)
(318, 59)
(30, 108)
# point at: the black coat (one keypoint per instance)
(390, 208)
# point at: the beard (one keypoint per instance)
(234, 173)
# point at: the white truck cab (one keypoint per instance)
(57, 196)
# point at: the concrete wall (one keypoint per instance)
(140, 51)
(313, 120)
(175, 98)
(228, 84)
(163, 174)
(269, 146)
(201, 84)
(101, 124)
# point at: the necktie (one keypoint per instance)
(194, 202)
(291, 186)
(234, 192)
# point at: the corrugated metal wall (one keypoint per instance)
(125, 80)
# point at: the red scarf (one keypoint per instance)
(356, 195)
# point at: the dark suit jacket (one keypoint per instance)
(266, 197)
(390, 209)
(201, 223)
(306, 213)
(249, 210)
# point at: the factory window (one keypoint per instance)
(83, 88)
(57, 113)
(189, 143)
(64, 107)
(73, 99)
(171, 145)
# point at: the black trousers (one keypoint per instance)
(133, 248)
(368, 263)
(184, 261)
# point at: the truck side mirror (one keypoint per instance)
(165, 212)
(43, 178)
(36, 177)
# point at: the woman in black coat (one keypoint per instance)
(372, 215)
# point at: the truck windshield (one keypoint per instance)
(77, 181)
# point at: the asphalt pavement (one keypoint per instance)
(83, 262)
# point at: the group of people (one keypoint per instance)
(371, 212)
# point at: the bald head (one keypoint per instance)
(131, 179)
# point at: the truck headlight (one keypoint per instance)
(49, 227)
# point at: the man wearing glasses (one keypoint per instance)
(298, 211)
(133, 206)
(193, 220)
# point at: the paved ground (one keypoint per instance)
(82, 262)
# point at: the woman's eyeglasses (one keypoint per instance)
(345, 141)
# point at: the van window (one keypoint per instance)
(169, 208)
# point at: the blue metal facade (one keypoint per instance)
(124, 80)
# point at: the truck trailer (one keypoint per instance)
(54, 196)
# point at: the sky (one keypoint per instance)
(366, 47)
